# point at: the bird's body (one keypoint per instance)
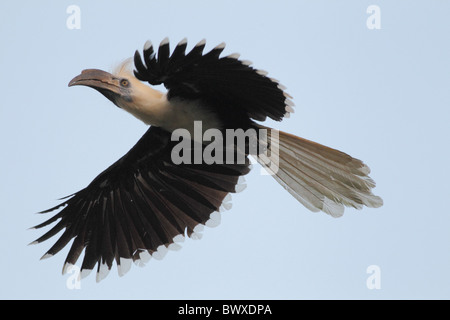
(147, 201)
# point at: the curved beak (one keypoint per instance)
(103, 82)
(97, 79)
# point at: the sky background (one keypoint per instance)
(382, 96)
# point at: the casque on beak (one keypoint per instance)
(97, 79)
(100, 80)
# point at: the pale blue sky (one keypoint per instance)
(380, 95)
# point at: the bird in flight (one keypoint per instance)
(148, 201)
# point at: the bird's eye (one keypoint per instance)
(124, 83)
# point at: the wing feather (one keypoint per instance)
(138, 206)
(225, 84)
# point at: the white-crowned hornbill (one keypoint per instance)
(144, 203)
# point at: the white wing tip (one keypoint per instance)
(164, 41)
(46, 256)
(147, 45)
(214, 219)
(201, 43)
(289, 102)
(220, 46)
(102, 272)
(233, 56)
(145, 256)
(124, 266)
(174, 247)
(226, 203)
(288, 105)
(178, 238)
(241, 185)
(281, 87)
(84, 273)
(196, 236)
(275, 80)
(182, 42)
(262, 72)
(160, 252)
(67, 268)
(197, 232)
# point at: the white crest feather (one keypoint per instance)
(125, 68)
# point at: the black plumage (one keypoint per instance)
(141, 202)
(228, 85)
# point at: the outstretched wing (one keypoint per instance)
(140, 206)
(229, 85)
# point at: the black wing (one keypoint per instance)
(140, 206)
(227, 84)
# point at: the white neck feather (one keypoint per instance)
(152, 107)
(148, 104)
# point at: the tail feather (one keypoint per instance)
(319, 177)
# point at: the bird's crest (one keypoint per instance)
(124, 69)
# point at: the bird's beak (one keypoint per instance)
(97, 79)
(103, 82)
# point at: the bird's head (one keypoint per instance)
(124, 90)
(120, 86)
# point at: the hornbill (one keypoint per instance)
(145, 204)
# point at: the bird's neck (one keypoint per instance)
(148, 105)
(153, 108)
